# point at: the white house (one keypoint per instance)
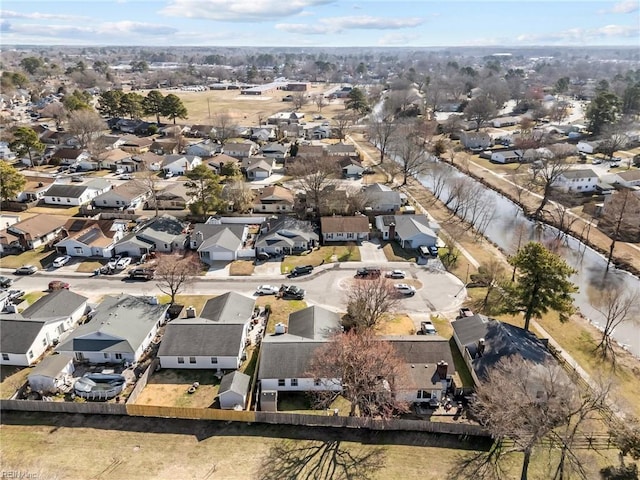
(23, 341)
(286, 235)
(127, 195)
(214, 340)
(51, 373)
(629, 178)
(410, 231)
(260, 168)
(161, 234)
(578, 180)
(58, 304)
(587, 147)
(204, 149)
(507, 156)
(344, 229)
(91, 238)
(351, 167)
(381, 198)
(219, 242)
(240, 150)
(274, 199)
(38, 230)
(180, 164)
(75, 195)
(121, 329)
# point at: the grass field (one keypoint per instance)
(280, 310)
(38, 257)
(241, 268)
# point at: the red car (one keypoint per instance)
(58, 285)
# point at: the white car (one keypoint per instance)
(60, 261)
(266, 290)
(126, 176)
(396, 274)
(113, 263)
(168, 174)
(119, 171)
(123, 263)
(404, 289)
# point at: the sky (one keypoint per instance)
(322, 23)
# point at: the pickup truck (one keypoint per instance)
(465, 312)
(291, 292)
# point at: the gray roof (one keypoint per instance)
(230, 308)
(313, 323)
(61, 303)
(225, 236)
(201, 337)
(580, 173)
(236, 382)
(99, 183)
(52, 365)
(409, 225)
(501, 340)
(164, 228)
(66, 190)
(286, 232)
(18, 334)
(286, 359)
(124, 320)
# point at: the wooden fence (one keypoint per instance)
(190, 413)
(142, 381)
(90, 408)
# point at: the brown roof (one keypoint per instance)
(7, 238)
(36, 183)
(310, 151)
(148, 158)
(130, 190)
(115, 155)
(276, 192)
(40, 224)
(630, 175)
(137, 141)
(70, 153)
(337, 224)
(91, 232)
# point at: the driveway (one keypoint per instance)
(371, 251)
(267, 269)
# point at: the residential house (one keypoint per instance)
(202, 131)
(206, 149)
(505, 122)
(310, 152)
(214, 340)
(52, 373)
(233, 390)
(121, 329)
(240, 150)
(344, 229)
(34, 189)
(163, 234)
(38, 230)
(110, 159)
(70, 156)
(220, 160)
(577, 180)
(24, 341)
(174, 131)
(277, 151)
(342, 150)
(286, 235)
(136, 145)
(173, 197)
(260, 168)
(382, 198)
(180, 164)
(8, 219)
(274, 199)
(137, 126)
(90, 238)
(58, 304)
(285, 117)
(69, 194)
(130, 194)
(410, 231)
(628, 178)
(476, 140)
(6, 153)
(285, 357)
(483, 342)
(8, 242)
(147, 161)
(262, 134)
(351, 167)
(318, 132)
(165, 146)
(507, 156)
(218, 242)
(588, 147)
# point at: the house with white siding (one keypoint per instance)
(218, 242)
(344, 229)
(38, 230)
(75, 195)
(180, 164)
(214, 340)
(24, 341)
(507, 156)
(164, 234)
(410, 231)
(274, 199)
(130, 194)
(577, 180)
(91, 238)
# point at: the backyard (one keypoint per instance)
(169, 388)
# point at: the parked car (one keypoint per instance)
(168, 174)
(113, 263)
(142, 274)
(433, 250)
(126, 176)
(58, 285)
(26, 270)
(427, 328)
(465, 312)
(60, 261)
(267, 290)
(289, 292)
(404, 289)
(614, 165)
(368, 272)
(5, 282)
(119, 171)
(123, 263)
(301, 270)
(15, 294)
(396, 274)
(596, 161)
(77, 179)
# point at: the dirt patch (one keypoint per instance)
(170, 388)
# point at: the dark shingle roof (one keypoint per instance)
(52, 365)
(201, 337)
(313, 323)
(286, 360)
(18, 334)
(236, 382)
(61, 303)
(231, 308)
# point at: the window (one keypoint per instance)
(192, 359)
(30, 353)
(118, 356)
(180, 359)
(281, 382)
(294, 382)
(44, 342)
(317, 382)
(117, 202)
(104, 201)
(68, 200)
(166, 246)
(5, 356)
(78, 249)
(106, 355)
(350, 235)
(423, 394)
(214, 360)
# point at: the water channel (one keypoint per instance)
(508, 218)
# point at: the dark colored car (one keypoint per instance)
(15, 295)
(58, 285)
(141, 274)
(291, 292)
(301, 270)
(26, 270)
(5, 282)
(368, 272)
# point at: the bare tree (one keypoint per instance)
(225, 127)
(300, 99)
(381, 131)
(313, 176)
(546, 178)
(410, 152)
(621, 218)
(440, 175)
(86, 125)
(618, 305)
(320, 101)
(368, 301)
(55, 110)
(490, 275)
(341, 124)
(239, 194)
(175, 272)
(366, 370)
(149, 179)
(480, 109)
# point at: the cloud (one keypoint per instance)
(396, 39)
(579, 35)
(629, 6)
(239, 10)
(127, 27)
(40, 16)
(340, 24)
(101, 31)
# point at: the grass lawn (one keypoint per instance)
(56, 210)
(395, 253)
(321, 255)
(38, 257)
(31, 297)
(12, 378)
(280, 310)
(169, 387)
(461, 367)
(89, 266)
(196, 301)
(300, 402)
(396, 324)
(241, 268)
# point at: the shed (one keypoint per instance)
(49, 375)
(233, 390)
(269, 401)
